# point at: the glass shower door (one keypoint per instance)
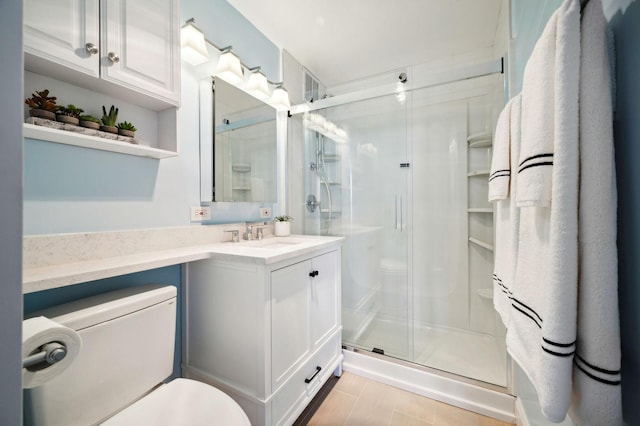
(360, 186)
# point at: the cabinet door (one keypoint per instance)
(289, 319)
(324, 297)
(59, 31)
(142, 38)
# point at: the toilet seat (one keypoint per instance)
(182, 402)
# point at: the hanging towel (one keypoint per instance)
(500, 174)
(506, 148)
(596, 374)
(542, 327)
(539, 92)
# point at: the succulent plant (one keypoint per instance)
(125, 125)
(283, 218)
(42, 100)
(70, 110)
(111, 118)
(89, 118)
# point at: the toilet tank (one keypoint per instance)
(127, 349)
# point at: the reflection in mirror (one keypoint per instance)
(244, 146)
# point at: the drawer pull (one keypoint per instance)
(313, 274)
(318, 368)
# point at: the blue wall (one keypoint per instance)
(73, 189)
(626, 27)
(528, 19)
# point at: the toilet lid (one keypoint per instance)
(182, 402)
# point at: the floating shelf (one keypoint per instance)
(478, 173)
(485, 293)
(481, 244)
(480, 210)
(32, 131)
(480, 140)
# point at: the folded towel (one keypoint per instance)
(507, 214)
(596, 375)
(542, 327)
(499, 177)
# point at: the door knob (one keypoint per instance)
(114, 58)
(91, 48)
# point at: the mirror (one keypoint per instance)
(238, 145)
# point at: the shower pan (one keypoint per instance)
(402, 176)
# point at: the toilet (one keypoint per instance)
(118, 377)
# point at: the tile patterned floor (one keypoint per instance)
(356, 401)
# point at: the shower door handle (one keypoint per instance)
(398, 222)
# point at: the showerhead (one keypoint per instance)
(402, 77)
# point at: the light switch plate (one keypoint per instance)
(199, 214)
(265, 212)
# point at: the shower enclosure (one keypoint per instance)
(403, 176)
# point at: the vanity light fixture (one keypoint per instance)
(229, 67)
(280, 98)
(194, 47)
(257, 84)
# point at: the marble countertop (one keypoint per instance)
(57, 261)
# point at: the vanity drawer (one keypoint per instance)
(303, 385)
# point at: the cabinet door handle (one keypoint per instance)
(313, 274)
(114, 58)
(91, 48)
(318, 368)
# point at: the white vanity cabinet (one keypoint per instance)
(269, 335)
(122, 45)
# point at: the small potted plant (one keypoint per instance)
(126, 129)
(109, 120)
(282, 225)
(90, 122)
(69, 114)
(42, 105)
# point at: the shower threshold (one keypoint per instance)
(473, 395)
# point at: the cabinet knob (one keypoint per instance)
(92, 49)
(313, 274)
(114, 58)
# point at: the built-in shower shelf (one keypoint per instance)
(481, 243)
(480, 210)
(478, 173)
(480, 140)
(485, 293)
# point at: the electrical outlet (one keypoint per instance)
(199, 214)
(265, 212)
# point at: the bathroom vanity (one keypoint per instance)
(263, 324)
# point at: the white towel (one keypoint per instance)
(507, 215)
(597, 393)
(538, 98)
(542, 328)
(500, 174)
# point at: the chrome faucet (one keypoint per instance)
(249, 234)
(235, 235)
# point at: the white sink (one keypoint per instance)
(273, 243)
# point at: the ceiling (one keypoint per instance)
(345, 40)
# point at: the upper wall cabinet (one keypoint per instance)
(129, 49)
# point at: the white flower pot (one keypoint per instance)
(282, 229)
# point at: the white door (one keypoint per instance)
(289, 319)
(324, 297)
(140, 46)
(63, 32)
